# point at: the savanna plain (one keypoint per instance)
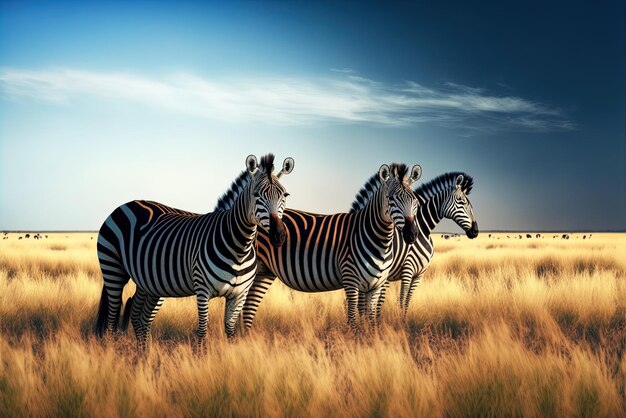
(499, 327)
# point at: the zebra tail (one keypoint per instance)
(103, 314)
(126, 315)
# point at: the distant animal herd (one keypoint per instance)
(444, 236)
(26, 236)
(251, 238)
(528, 236)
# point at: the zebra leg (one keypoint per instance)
(405, 287)
(234, 304)
(139, 299)
(371, 301)
(203, 318)
(414, 283)
(151, 306)
(260, 286)
(352, 297)
(351, 283)
(381, 300)
(362, 306)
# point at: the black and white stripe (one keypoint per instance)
(443, 197)
(174, 253)
(350, 251)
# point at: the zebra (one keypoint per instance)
(443, 197)
(174, 253)
(350, 251)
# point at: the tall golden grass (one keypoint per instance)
(531, 327)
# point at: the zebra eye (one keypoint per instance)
(286, 194)
(257, 195)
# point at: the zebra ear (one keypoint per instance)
(459, 180)
(383, 172)
(251, 164)
(288, 165)
(416, 173)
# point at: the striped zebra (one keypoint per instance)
(350, 251)
(173, 253)
(443, 197)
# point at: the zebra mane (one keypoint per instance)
(267, 165)
(400, 170)
(441, 183)
(228, 199)
(364, 195)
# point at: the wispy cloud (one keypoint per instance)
(342, 70)
(343, 97)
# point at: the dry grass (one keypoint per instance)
(499, 327)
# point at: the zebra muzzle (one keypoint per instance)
(473, 231)
(409, 232)
(277, 232)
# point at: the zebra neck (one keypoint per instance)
(374, 223)
(428, 215)
(239, 221)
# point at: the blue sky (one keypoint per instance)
(104, 102)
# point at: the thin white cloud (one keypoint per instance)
(344, 97)
(342, 70)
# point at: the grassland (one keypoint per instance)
(530, 327)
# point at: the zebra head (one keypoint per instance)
(458, 208)
(269, 196)
(402, 207)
